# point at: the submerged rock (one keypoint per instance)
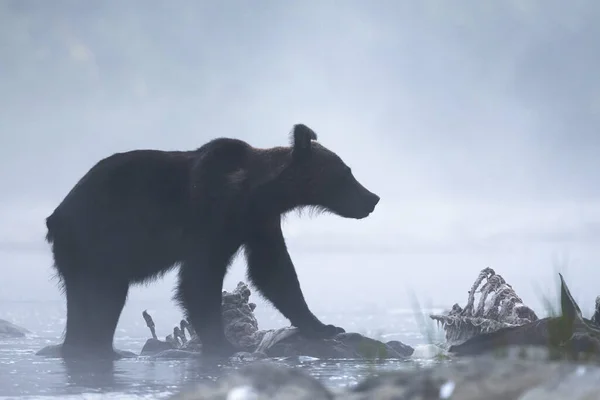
(241, 329)
(261, 381)
(467, 379)
(55, 351)
(9, 330)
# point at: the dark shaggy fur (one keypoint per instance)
(136, 215)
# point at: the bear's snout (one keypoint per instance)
(372, 201)
(375, 199)
(366, 204)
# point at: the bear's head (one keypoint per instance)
(323, 180)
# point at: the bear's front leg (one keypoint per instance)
(199, 293)
(271, 269)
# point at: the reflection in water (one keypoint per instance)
(25, 375)
(122, 375)
(86, 374)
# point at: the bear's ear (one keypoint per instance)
(303, 136)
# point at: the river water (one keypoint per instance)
(24, 375)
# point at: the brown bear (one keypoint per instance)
(138, 214)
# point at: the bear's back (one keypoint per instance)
(151, 185)
(129, 174)
(138, 184)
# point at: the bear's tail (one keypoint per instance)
(51, 226)
(64, 245)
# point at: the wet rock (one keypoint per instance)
(483, 377)
(261, 381)
(10, 330)
(52, 351)
(55, 351)
(401, 348)
(155, 346)
(343, 345)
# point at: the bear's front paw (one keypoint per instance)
(332, 330)
(322, 332)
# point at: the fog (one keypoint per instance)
(477, 124)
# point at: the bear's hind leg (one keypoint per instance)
(71, 270)
(96, 291)
(106, 308)
(94, 306)
(75, 331)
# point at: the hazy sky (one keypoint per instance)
(477, 123)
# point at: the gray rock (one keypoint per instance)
(484, 377)
(289, 343)
(260, 381)
(156, 346)
(403, 349)
(10, 330)
(55, 351)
